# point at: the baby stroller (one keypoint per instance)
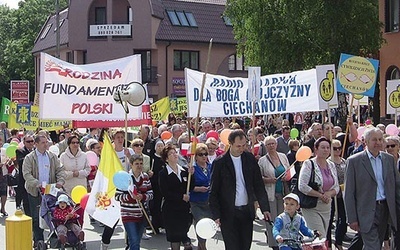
(47, 208)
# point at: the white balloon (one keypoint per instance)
(54, 149)
(206, 228)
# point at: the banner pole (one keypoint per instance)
(347, 125)
(196, 126)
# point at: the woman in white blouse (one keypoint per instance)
(326, 177)
(272, 165)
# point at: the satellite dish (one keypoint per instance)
(134, 94)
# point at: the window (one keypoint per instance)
(236, 62)
(227, 21)
(186, 59)
(45, 31)
(70, 57)
(181, 18)
(59, 25)
(394, 73)
(145, 56)
(392, 15)
(100, 16)
(130, 15)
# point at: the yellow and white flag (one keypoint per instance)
(101, 203)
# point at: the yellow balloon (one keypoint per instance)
(77, 193)
(303, 153)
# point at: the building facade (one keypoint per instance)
(169, 34)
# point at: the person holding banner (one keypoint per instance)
(173, 180)
(131, 211)
(236, 182)
(273, 165)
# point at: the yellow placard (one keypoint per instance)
(160, 109)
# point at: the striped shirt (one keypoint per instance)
(130, 209)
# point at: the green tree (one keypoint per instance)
(287, 35)
(18, 30)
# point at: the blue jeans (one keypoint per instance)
(288, 248)
(34, 205)
(134, 231)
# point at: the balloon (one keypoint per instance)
(166, 135)
(84, 201)
(92, 158)
(54, 149)
(303, 153)
(77, 193)
(294, 133)
(368, 122)
(122, 180)
(213, 134)
(14, 142)
(224, 136)
(360, 132)
(10, 151)
(391, 129)
(206, 228)
(5, 145)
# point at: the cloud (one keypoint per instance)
(10, 3)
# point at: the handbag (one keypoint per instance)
(13, 179)
(307, 201)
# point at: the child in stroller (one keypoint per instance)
(65, 218)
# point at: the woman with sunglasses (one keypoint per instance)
(76, 167)
(393, 147)
(341, 225)
(137, 146)
(199, 195)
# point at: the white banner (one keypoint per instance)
(393, 96)
(227, 97)
(85, 92)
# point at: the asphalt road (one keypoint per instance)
(93, 235)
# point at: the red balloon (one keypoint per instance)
(84, 201)
(213, 134)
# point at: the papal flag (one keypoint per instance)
(101, 203)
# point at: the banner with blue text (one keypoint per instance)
(228, 97)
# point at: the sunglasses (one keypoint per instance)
(30, 141)
(74, 142)
(337, 148)
(138, 145)
(202, 154)
(391, 146)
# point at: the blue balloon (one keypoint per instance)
(5, 145)
(122, 180)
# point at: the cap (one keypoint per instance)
(62, 198)
(292, 196)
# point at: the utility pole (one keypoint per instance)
(57, 29)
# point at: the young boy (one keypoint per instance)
(66, 219)
(289, 224)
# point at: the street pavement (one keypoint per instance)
(93, 235)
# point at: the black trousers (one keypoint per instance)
(238, 231)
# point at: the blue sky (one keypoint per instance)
(10, 3)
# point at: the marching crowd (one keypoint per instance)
(349, 180)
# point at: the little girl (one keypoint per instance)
(131, 212)
(66, 219)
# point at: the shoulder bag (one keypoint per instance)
(307, 201)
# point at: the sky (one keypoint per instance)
(10, 3)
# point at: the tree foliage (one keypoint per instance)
(287, 35)
(18, 31)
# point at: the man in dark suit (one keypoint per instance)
(371, 191)
(236, 183)
(21, 194)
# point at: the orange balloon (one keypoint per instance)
(224, 136)
(166, 135)
(303, 153)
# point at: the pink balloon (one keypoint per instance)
(368, 122)
(360, 132)
(213, 134)
(92, 158)
(391, 129)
